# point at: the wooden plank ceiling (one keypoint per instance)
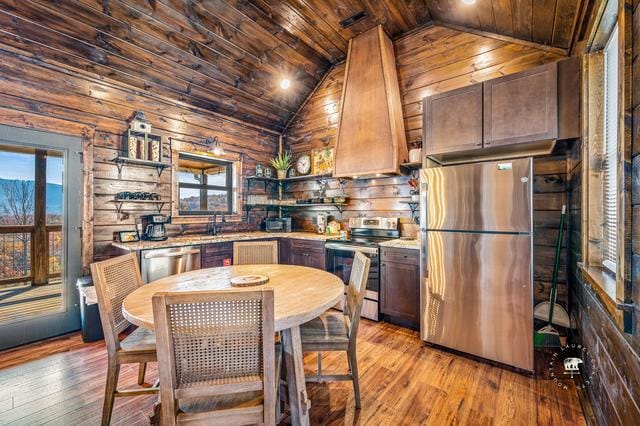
(546, 22)
(227, 57)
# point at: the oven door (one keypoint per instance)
(339, 262)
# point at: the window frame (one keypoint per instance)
(203, 187)
(180, 146)
(609, 264)
(613, 290)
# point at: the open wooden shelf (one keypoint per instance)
(414, 206)
(121, 161)
(337, 206)
(159, 203)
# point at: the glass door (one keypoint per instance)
(40, 219)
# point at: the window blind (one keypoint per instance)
(610, 154)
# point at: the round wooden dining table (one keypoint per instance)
(300, 294)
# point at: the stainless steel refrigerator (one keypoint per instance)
(477, 259)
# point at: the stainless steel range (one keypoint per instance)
(366, 234)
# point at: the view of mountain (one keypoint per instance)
(54, 196)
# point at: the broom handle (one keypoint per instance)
(554, 283)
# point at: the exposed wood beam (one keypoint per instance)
(555, 50)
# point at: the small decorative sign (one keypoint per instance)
(322, 161)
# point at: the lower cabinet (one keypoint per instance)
(291, 251)
(400, 286)
(217, 254)
(302, 253)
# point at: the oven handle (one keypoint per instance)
(345, 247)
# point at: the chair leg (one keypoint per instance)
(278, 372)
(113, 372)
(353, 366)
(319, 364)
(142, 370)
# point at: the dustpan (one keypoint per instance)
(560, 315)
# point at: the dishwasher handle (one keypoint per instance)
(172, 254)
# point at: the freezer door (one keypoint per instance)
(477, 296)
(494, 196)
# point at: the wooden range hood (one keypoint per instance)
(371, 139)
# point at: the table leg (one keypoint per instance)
(298, 401)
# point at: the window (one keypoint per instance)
(610, 153)
(205, 185)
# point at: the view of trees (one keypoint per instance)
(16, 208)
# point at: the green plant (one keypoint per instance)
(282, 161)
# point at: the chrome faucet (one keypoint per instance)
(212, 227)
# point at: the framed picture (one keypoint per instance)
(322, 160)
(128, 236)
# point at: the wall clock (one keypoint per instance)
(303, 165)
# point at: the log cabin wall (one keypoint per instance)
(613, 364)
(429, 61)
(44, 94)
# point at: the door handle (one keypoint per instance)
(175, 254)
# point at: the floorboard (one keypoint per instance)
(403, 381)
(22, 302)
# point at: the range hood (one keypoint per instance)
(371, 141)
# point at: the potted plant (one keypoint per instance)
(281, 163)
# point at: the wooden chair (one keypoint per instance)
(114, 279)
(216, 356)
(255, 252)
(337, 331)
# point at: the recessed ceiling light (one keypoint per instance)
(285, 83)
(468, 1)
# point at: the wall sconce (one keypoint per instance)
(214, 146)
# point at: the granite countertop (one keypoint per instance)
(190, 240)
(401, 243)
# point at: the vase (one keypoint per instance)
(415, 155)
(281, 174)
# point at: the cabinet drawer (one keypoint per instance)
(308, 246)
(216, 249)
(398, 255)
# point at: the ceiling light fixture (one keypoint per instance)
(469, 1)
(285, 83)
(214, 146)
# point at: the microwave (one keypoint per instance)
(277, 224)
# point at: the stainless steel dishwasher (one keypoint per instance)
(160, 263)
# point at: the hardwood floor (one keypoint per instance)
(402, 381)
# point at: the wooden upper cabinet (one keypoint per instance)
(521, 107)
(453, 120)
(371, 136)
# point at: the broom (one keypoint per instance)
(548, 336)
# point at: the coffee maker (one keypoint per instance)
(154, 227)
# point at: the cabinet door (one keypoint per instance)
(284, 249)
(400, 291)
(307, 253)
(453, 120)
(316, 259)
(217, 254)
(298, 258)
(521, 107)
